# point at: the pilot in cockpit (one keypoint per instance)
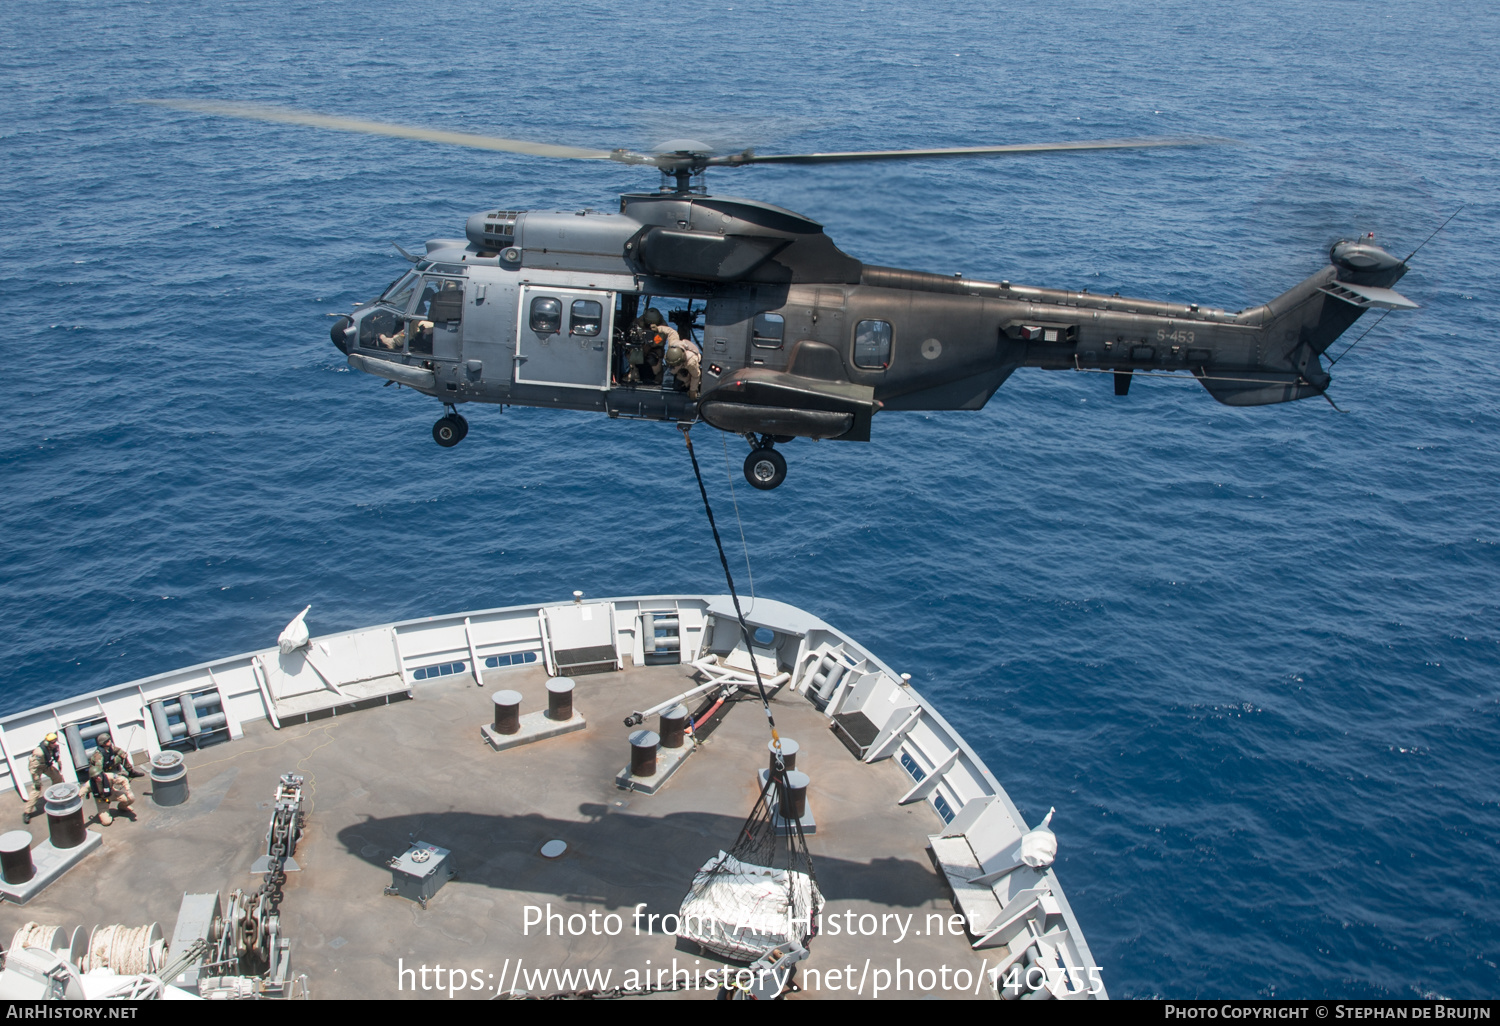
(395, 341)
(398, 340)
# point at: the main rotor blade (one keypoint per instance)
(281, 115)
(736, 159)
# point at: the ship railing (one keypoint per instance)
(330, 675)
(879, 715)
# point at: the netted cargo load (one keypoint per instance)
(762, 894)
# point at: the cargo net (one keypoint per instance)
(760, 895)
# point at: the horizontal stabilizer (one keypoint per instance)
(1367, 296)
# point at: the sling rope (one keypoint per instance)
(760, 685)
(753, 836)
(728, 473)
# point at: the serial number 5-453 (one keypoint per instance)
(1182, 338)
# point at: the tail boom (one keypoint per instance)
(1266, 354)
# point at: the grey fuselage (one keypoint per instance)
(798, 338)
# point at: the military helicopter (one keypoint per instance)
(790, 337)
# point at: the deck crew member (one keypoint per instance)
(45, 764)
(109, 778)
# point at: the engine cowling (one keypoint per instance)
(493, 229)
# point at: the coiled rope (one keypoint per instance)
(124, 950)
(33, 935)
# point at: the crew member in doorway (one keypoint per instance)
(655, 335)
(109, 778)
(44, 764)
(686, 361)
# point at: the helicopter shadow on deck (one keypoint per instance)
(616, 858)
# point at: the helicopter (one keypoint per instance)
(778, 334)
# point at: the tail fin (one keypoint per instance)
(1298, 326)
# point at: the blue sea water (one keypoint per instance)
(1249, 655)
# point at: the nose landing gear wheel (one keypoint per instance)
(765, 468)
(450, 430)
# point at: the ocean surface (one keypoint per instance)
(1249, 655)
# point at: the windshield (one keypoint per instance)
(400, 292)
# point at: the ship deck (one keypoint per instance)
(419, 769)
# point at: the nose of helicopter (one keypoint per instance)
(336, 333)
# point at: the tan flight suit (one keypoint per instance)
(43, 767)
(102, 763)
(398, 340)
(686, 362)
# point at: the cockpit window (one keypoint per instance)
(384, 329)
(399, 294)
(430, 288)
(428, 265)
(585, 318)
(546, 315)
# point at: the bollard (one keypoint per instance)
(674, 723)
(560, 698)
(789, 749)
(507, 711)
(64, 805)
(793, 797)
(15, 857)
(169, 783)
(643, 744)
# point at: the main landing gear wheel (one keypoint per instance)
(450, 430)
(765, 468)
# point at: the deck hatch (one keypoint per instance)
(856, 730)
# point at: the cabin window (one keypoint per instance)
(770, 329)
(872, 345)
(585, 318)
(546, 315)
